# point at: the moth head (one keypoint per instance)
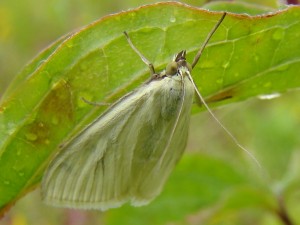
(179, 61)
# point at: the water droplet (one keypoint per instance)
(278, 34)
(172, 19)
(21, 174)
(31, 136)
(225, 65)
(132, 14)
(207, 64)
(269, 96)
(219, 81)
(69, 44)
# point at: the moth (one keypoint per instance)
(128, 152)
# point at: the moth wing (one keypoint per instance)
(82, 174)
(118, 157)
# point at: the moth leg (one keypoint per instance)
(95, 103)
(144, 59)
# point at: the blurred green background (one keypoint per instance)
(268, 128)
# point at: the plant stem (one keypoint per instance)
(282, 212)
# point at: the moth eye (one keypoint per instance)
(172, 68)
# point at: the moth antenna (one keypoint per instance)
(233, 138)
(144, 59)
(199, 53)
(195, 61)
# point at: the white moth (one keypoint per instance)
(127, 154)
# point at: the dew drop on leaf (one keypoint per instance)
(70, 44)
(207, 64)
(172, 19)
(226, 64)
(31, 136)
(219, 81)
(21, 174)
(278, 35)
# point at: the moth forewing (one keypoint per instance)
(166, 146)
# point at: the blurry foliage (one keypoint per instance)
(268, 128)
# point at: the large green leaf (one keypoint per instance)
(248, 56)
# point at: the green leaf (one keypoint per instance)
(239, 7)
(32, 66)
(248, 56)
